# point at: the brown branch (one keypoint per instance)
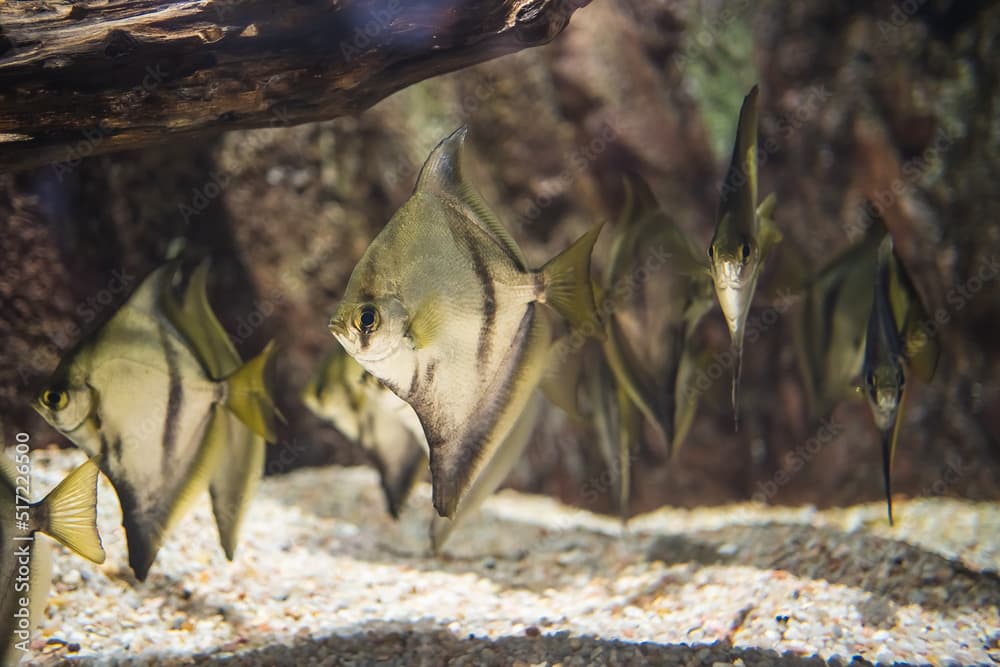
(93, 76)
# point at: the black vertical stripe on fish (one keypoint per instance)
(430, 372)
(470, 448)
(174, 397)
(485, 344)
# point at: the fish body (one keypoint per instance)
(492, 476)
(69, 515)
(891, 352)
(830, 329)
(366, 412)
(655, 291)
(443, 310)
(744, 236)
(146, 394)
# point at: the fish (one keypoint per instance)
(442, 309)
(159, 394)
(367, 413)
(896, 344)
(745, 235)
(492, 476)
(68, 514)
(634, 373)
(829, 327)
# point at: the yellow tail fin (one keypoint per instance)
(70, 512)
(569, 288)
(249, 395)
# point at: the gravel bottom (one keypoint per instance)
(324, 577)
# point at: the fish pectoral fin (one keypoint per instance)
(443, 174)
(569, 288)
(235, 480)
(426, 323)
(769, 234)
(249, 396)
(71, 512)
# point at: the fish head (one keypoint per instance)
(884, 390)
(67, 401)
(735, 266)
(371, 329)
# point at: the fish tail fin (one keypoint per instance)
(70, 512)
(568, 285)
(249, 395)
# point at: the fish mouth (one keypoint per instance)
(337, 328)
(733, 302)
(884, 410)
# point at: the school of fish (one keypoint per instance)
(448, 344)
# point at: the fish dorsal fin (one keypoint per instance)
(444, 176)
(70, 512)
(739, 190)
(197, 323)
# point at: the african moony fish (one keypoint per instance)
(829, 328)
(616, 383)
(444, 311)
(366, 412)
(744, 236)
(69, 515)
(896, 344)
(159, 393)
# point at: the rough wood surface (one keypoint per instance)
(83, 78)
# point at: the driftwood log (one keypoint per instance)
(84, 78)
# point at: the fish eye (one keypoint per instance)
(745, 251)
(55, 399)
(366, 319)
(711, 251)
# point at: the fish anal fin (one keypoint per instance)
(234, 481)
(70, 512)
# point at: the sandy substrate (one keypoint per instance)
(324, 577)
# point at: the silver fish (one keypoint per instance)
(159, 395)
(443, 310)
(744, 237)
(895, 345)
(829, 328)
(69, 515)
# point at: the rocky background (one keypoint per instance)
(896, 102)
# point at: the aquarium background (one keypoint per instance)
(896, 103)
